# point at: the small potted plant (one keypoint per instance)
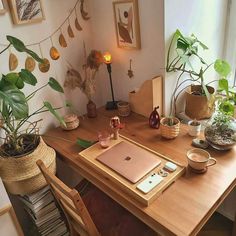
(194, 127)
(22, 145)
(170, 127)
(221, 128)
(197, 96)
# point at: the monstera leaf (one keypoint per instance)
(16, 100)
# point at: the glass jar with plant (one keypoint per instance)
(22, 145)
(183, 50)
(220, 132)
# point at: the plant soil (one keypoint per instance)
(29, 143)
(219, 136)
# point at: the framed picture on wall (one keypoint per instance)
(26, 11)
(2, 8)
(127, 24)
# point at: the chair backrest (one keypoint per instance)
(72, 204)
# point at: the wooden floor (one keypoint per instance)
(218, 225)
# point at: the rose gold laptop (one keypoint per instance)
(129, 160)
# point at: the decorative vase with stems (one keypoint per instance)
(87, 82)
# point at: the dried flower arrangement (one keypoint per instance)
(90, 68)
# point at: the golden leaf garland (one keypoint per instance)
(45, 66)
(62, 41)
(77, 25)
(30, 64)
(13, 61)
(70, 32)
(54, 54)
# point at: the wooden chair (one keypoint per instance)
(93, 213)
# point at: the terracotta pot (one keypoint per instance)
(22, 175)
(91, 109)
(196, 106)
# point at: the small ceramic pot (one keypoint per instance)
(123, 108)
(194, 128)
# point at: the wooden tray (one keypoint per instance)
(89, 156)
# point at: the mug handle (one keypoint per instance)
(212, 160)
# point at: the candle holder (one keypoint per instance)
(111, 105)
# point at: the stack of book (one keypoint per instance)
(44, 213)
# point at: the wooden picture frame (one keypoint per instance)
(2, 7)
(127, 27)
(18, 11)
(14, 221)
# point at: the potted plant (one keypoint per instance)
(198, 95)
(22, 145)
(194, 127)
(221, 128)
(170, 127)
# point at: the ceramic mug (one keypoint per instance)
(199, 159)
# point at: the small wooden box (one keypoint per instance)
(147, 97)
(89, 157)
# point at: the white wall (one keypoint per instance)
(55, 13)
(206, 19)
(147, 62)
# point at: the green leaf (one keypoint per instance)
(84, 143)
(54, 112)
(14, 79)
(227, 107)
(182, 45)
(17, 102)
(208, 95)
(17, 44)
(224, 85)
(11, 77)
(222, 68)
(28, 77)
(203, 45)
(55, 85)
(178, 33)
(34, 55)
(20, 47)
(20, 83)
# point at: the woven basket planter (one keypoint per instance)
(22, 175)
(168, 131)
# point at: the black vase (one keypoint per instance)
(91, 109)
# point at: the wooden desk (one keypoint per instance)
(187, 204)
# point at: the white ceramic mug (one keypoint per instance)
(199, 159)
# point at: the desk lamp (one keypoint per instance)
(111, 105)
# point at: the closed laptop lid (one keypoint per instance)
(129, 160)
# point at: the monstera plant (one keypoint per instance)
(21, 137)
